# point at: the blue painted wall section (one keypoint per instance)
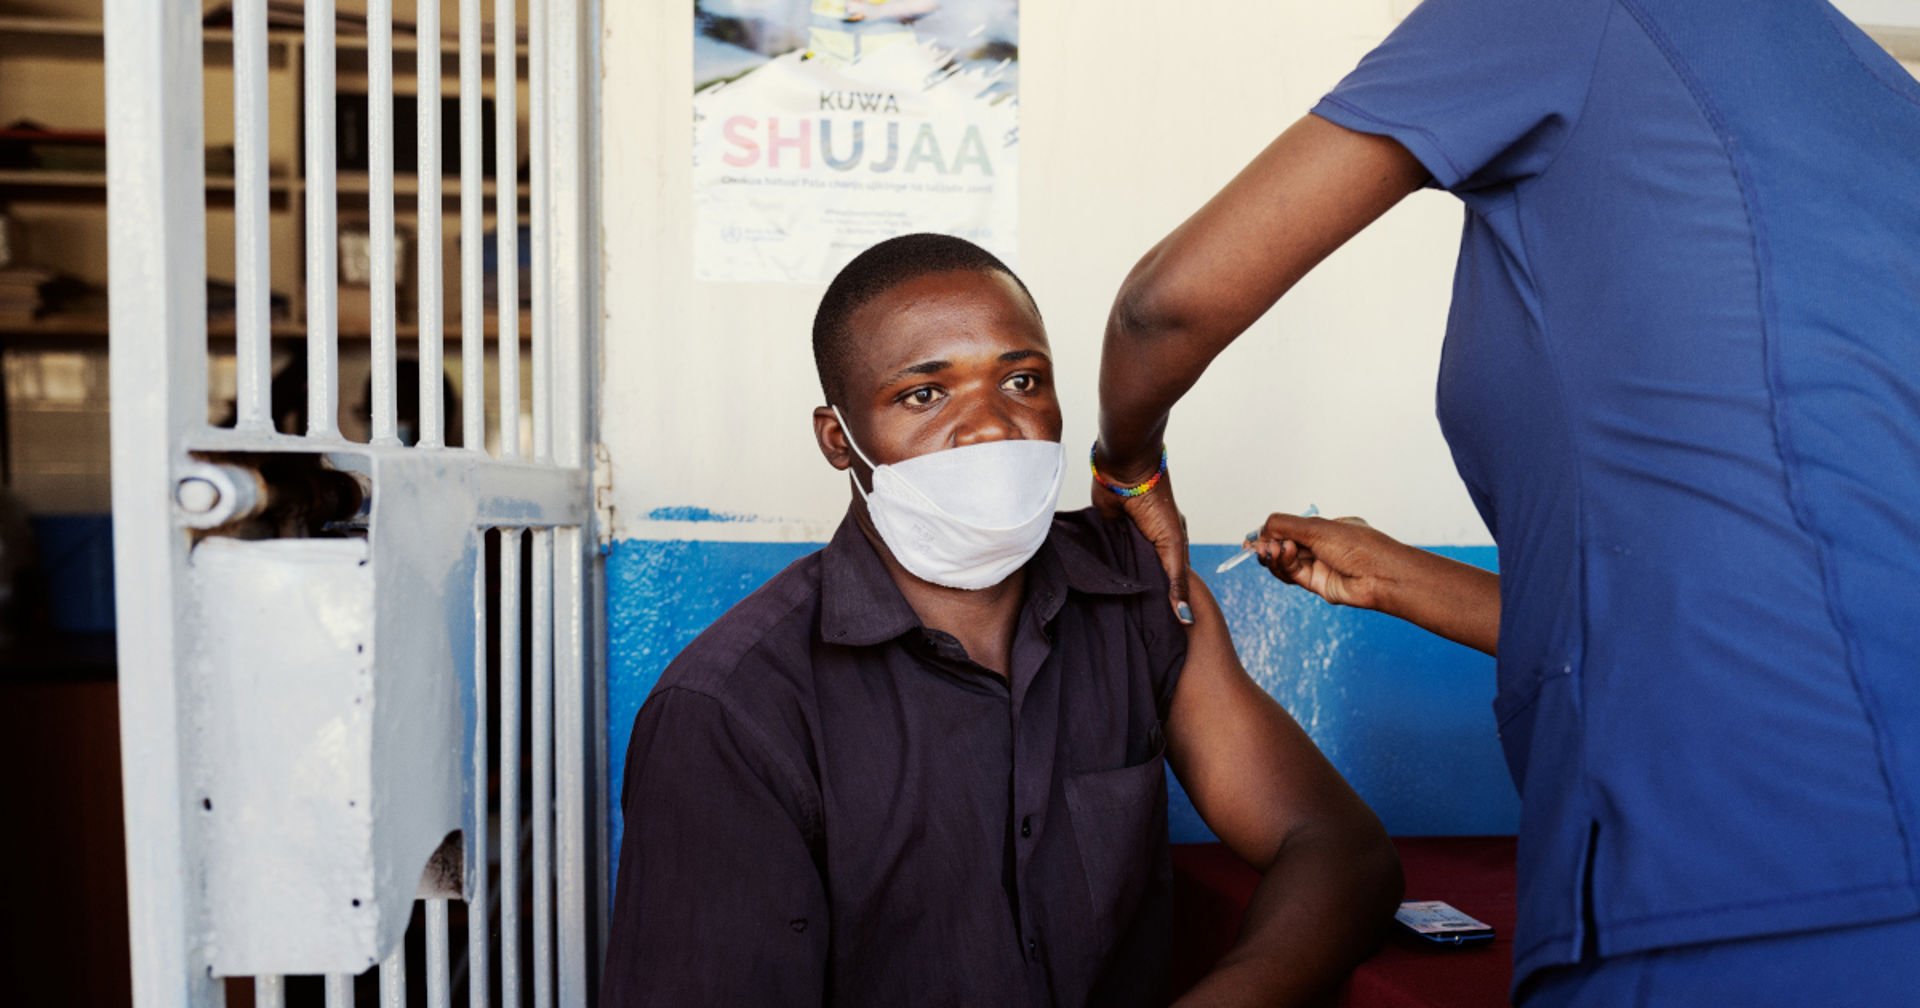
(1403, 714)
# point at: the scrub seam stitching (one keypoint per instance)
(1878, 74)
(1782, 441)
(1586, 98)
(1721, 909)
(1421, 131)
(1585, 932)
(1564, 664)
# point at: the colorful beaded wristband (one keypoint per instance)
(1121, 489)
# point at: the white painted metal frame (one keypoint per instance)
(323, 243)
(173, 718)
(157, 312)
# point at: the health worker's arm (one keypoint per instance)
(1196, 291)
(1330, 879)
(1348, 562)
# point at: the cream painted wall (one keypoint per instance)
(1130, 118)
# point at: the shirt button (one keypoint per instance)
(1033, 950)
(1026, 827)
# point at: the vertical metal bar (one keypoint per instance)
(253, 319)
(439, 994)
(323, 293)
(473, 303)
(157, 268)
(585, 58)
(542, 713)
(595, 849)
(506, 222)
(479, 905)
(574, 785)
(568, 236)
(428, 211)
(541, 716)
(269, 992)
(380, 213)
(510, 766)
(393, 978)
(566, 252)
(339, 990)
(538, 156)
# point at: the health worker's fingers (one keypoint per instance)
(1173, 557)
(1158, 517)
(1319, 555)
(1288, 561)
(1281, 527)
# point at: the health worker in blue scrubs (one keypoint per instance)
(1681, 381)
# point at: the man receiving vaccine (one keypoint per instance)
(925, 765)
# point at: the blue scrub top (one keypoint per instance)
(1681, 381)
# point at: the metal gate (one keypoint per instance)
(321, 639)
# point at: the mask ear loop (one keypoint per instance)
(851, 443)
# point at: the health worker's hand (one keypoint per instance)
(1159, 519)
(1348, 562)
(1343, 560)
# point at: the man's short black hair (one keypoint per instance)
(877, 270)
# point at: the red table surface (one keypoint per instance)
(1475, 874)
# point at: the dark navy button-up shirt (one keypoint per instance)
(828, 803)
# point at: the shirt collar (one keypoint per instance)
(861, 606)
(1086, 570)
(859, 603)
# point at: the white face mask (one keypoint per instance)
(965, 517)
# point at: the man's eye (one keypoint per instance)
(922, 396)
(1022, 383)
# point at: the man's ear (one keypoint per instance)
(832, 438)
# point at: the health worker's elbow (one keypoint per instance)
(1153, 306)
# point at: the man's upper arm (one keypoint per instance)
(1252, 772)
(718, 899)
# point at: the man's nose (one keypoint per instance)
(985, 419)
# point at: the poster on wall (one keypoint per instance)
(824, 126)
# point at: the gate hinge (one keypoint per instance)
(602, 494)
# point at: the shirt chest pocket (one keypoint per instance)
(1119, 824)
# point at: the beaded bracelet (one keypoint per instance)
(1121, 489)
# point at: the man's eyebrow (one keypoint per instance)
(937, 366)
(922, 368)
